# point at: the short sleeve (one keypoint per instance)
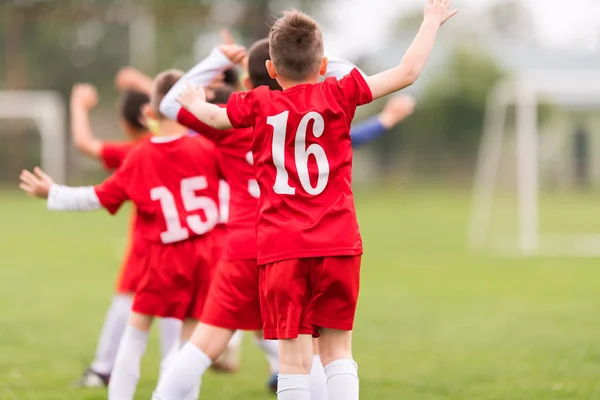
(113, 154)
(239, 109)
(112, 192)
(352, 91)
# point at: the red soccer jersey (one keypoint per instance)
(303, 160)
(173, 183)
(113, 154)
(235, 147)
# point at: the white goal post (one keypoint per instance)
(47, 110)
(525, 92)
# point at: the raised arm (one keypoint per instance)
(83, 98)
(130, 78)
(395, 111)
(220, 59)
(338, 67)
(194, 100)
(436, 13)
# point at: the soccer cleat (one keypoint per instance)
(273, 383)
(92, 379)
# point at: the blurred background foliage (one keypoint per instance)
(51, 44)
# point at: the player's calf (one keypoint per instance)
(335, 348)
(295, 363)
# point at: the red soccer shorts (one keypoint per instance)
(299, 296)
(132, 268)
(233, 301)
(176, 278)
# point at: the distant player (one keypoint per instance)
(309, 245)
(84, 97)
(236, 149)
(173, 181)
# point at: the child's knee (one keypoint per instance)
(296, 355)
(335, 345)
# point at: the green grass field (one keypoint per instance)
(433, 323)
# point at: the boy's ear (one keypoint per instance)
(324, 65)
(148, 112)
(247, 83)
(271, 69)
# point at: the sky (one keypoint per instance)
(573, 24)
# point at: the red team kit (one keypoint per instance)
(176, 212)
(288, 262)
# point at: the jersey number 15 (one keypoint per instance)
(191, 202)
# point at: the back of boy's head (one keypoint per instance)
(161, 86)
(221, 94)
(131, 105)
(296, 46)
(257, 70)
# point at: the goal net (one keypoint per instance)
(46, 110)
(528, 196)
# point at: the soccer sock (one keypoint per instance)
(183, 375)
(194, 394)
(126, 371)
(318, 380)
(115, 322)
(170, 332)
(342, 380)
(293, 387)
(271, 350)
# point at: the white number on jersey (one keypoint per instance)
(253, 188)
(175, 231)
(301, 152)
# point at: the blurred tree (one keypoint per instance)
(449, 118)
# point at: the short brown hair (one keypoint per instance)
(222, 94)
(131, 103)
(161, 86)
(296, 46)
(257, 70)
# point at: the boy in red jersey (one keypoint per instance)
(84, 98)
(235, 148)
(173, 181)
(309, 244)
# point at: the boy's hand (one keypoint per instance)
(439, 10)
(37, 185)
(84, 95)
(191, 95)
(234, 52)
(130, 78)
(397, 109)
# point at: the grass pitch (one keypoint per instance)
(433, 323)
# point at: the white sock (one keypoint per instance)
(170, 332)
(183, 375)
(342, 380)
(126, 371)
(115, 322)
(168, 359)
(293, 387)
(194, 394)
(318, 380)
(271, 350)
